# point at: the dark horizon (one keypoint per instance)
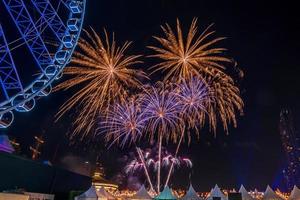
(261, 37)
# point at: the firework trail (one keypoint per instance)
(142, 158)
(162, 113)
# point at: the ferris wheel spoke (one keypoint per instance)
(66, 3)
(9, 78)
(49, 14)
(24, 23)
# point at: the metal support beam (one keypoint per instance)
(9, 78)
(48, 13)
(29, 32)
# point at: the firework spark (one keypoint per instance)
(195, 56)
(105, 74)
(178, 162)
(124, 123)
(133, 166)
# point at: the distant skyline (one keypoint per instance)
(261, 36)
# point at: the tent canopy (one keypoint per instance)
(270, 195)
(191, 194)
(245, 194)
(90, 194)
(93, 194)
(103, 194)
(166, 194)
(216, 192)
(141, 194)
(295, 194)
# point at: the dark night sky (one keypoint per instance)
(263, 39)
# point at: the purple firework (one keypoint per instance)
(193, 95)
(178, 161)
(124, 124)
(151, 161)
(161, 108)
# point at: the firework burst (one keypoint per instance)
(194, 95)
(195, 56)
(227, 101)
(105, 74)
(161, 109)
(124, 123)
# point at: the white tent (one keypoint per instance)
(216, 192)
(295, 194)
(191, 194)
(90, 194)
(245, 194)
(104, 195)
(142, 194)
(271, 195)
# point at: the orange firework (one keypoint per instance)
(226, 101)
(181, 57)
(106, 75)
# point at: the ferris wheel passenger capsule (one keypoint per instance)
(75, 7)
(6, 119)
(62, 56)
(69, 41)
(22, 104)
(39, 86)
(73, 24)
(51, 71)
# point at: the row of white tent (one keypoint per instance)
(191, 194)
(93, 194)
(269, 194)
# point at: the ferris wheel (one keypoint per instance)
(37, 39)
